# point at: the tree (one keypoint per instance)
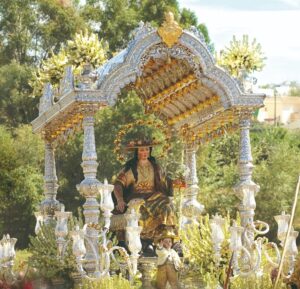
(17, 26)
(29, 31)
(21, 156)
(57, 24)
(15, 104)
(294, 89)
(115, 20)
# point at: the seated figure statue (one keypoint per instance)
(142, 178)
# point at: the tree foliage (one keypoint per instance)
(294, 89)
(29, 31)
(276, 156)
(44, 259)
(114, 20)
(15, 105)
(21, 180)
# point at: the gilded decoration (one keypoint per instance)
(197, 108)
(170, 31)
(68, 122)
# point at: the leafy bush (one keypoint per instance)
(45, 257)
(114, 282)
(198, 250)
(255, 282)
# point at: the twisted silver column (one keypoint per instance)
(49, 205)
(90, 188)
(246, 189)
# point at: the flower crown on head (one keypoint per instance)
(142, 143)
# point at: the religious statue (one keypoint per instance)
(168, 262)
(142, 178)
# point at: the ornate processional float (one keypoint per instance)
(177, 79)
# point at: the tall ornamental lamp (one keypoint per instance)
(7, 255)
(106, 203)
(217, 235)
(61, 229)
(133, 231)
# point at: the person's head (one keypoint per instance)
(167, 243)
(143, 153)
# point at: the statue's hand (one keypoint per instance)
(121, 205)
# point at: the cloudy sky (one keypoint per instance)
(274, 23)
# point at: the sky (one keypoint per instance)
(274, 23)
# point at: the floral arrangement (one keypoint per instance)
(84, 49)
(242, 57)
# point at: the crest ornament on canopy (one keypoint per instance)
(170, 31)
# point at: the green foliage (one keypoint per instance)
(45, 259)
(29, 30)
(17, 25)
(118, 18)
(242, 58)
(21, 155)
(218, 173)
(22, 265)
(15, 105)
(108, 283)
(276, 156)
(57, 24)
(294, 89)
(198, 250)
(255, 282)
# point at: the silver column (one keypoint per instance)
(49, 205)
(89, 188)
(191, 208)
(246, 189)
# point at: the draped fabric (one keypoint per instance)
(158, 211)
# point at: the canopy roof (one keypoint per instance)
(172, 71)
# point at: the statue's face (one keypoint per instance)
(143, 153)
(167, 243)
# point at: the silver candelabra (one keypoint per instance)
(103, 252)
(248, 251)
